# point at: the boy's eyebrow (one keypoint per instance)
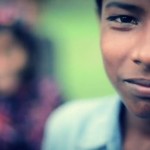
(129, 7)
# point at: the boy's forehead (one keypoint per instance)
(127, 1)
(141, 4)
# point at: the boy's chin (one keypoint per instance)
(142, 111)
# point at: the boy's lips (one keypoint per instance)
(140, 86)
(141, 82)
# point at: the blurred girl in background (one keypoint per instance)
(26, 98)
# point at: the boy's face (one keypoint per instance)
(126, 51)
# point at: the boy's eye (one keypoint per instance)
(124, 19)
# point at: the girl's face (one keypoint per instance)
(125, 29)
(13, 60)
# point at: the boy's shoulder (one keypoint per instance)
(70, 120)
(82, 108)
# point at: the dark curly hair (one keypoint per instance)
(99, 5)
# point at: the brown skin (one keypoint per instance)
(13, 59)
(125, 42)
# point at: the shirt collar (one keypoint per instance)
(102, 129)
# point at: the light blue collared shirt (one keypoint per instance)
(85, 125)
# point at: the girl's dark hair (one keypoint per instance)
(30, 43)
(99, 5)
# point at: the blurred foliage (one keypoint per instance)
(73, 26)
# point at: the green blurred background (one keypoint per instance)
(73, 27)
